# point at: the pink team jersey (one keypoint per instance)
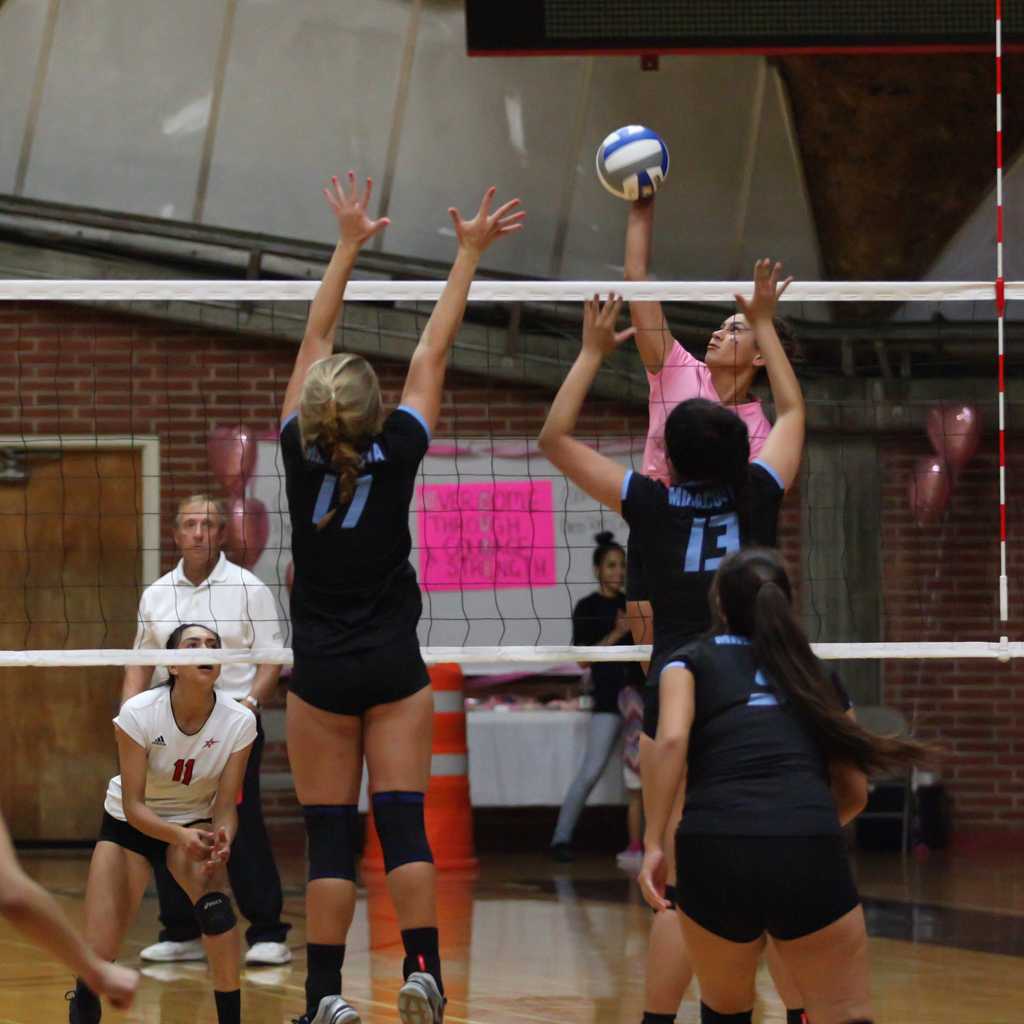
(684, 377)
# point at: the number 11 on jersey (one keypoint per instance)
(183, 770)
(722, 536)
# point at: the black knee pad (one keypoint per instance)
(403, 835)
(709, 1016)
(215, 913)
(331, 834)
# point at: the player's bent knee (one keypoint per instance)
(331, 834)
(400, 826)
(215, 913)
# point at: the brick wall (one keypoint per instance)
(940, 583)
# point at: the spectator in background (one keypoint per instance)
(598, 620)
(206, 589)
(631, 707)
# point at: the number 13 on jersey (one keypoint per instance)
(712, 538)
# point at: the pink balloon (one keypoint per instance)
(247, 531)
(955, 432)
(232, 455)
(929, 489)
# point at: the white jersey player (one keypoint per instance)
(182, 750)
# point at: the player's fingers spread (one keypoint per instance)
(367, 192)
(502, 210)
(485, 203)
(785, 284)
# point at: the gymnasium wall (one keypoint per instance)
(70, 370)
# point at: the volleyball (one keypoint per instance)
(632, 162)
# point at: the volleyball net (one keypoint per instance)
(122, 398)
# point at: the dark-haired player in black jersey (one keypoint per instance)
(754, 737)
(718, 501)
(359, 685)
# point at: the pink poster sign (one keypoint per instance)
(487, 536)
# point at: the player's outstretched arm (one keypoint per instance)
(35, 913)
(653, 336)
(595, 473)
(661, 784)
(355, 228)
(784, 448)
(424, 383)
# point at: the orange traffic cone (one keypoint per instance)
(449, 818)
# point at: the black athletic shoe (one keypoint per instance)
(560, 852)
(75, 1014)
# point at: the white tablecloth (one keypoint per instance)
(529, 758)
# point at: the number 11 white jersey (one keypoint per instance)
(183, 771)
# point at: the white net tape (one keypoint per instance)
(513, 655)
(500, 291)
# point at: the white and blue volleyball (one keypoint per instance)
(632, 162)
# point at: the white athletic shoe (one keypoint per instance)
(334, 1010)
(268, 953)
(420, 1000)
(174, 952)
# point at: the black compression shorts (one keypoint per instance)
(127, 836)
(740, 887)
(354, 683)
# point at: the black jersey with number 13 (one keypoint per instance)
(684, 532)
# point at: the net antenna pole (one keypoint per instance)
(1004, 602)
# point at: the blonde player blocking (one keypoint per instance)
(182, 750)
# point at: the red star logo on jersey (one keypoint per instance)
(209, 743)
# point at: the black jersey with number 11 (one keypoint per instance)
(354, 589)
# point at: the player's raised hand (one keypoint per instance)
(767, 291)
(599, 334)
(350, 208)
(477, 234)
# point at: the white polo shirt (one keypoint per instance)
(231, 600)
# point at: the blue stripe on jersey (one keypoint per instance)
(355, 509)
(625, 140)
(771, 472)
(417, 416)
(674, 664)
(625, 484)
(730, 640)
(284, 423)
(324, 498)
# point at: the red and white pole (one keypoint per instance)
(1004, 601)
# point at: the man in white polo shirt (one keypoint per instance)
(206, 589)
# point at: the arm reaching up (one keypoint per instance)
(424, 382)
(653, 336)
(595, 473)
(355, 228)
(784, 448)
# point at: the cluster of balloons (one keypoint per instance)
(955, 432)
(232, 455)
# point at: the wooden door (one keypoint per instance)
(70, 568)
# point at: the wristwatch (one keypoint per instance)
(251, 701)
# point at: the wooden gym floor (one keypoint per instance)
(530, 942)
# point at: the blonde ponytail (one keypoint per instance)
(339, 413)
